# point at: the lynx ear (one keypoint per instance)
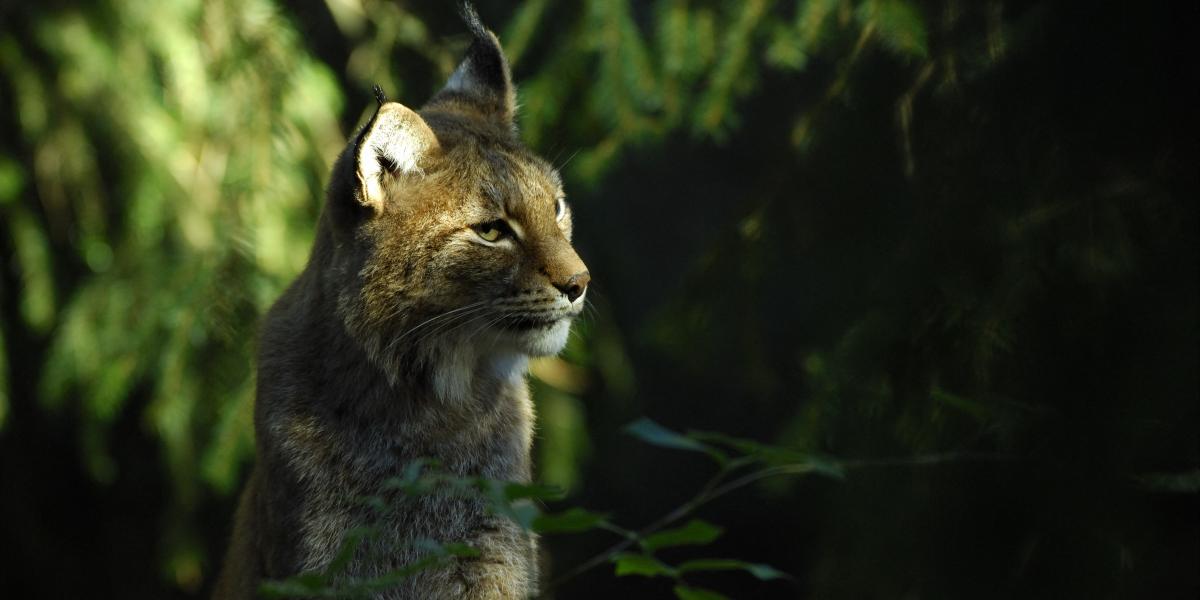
(394, 143)
(483, 77)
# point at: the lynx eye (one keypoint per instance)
(560, 209)
(492, 231)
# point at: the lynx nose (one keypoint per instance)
(575, 286)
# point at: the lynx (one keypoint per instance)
(442, 262)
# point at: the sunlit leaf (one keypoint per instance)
(899, 24)
(12, 180)
(564, 437)
(37, 298)
(522, 27)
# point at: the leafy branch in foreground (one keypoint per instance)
(740, 462)
(515, 501)
(732, 455)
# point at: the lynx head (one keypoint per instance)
(448, 233)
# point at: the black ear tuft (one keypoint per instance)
(380, 95)
(471, 17)
(483, 77)
(485, 55)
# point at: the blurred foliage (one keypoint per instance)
(849, 227)
(175, 159)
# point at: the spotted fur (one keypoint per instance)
(407, 336)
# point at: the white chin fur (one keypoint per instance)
(543, 341)
(503, 353)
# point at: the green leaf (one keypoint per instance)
(522, 512)
(350, 543)
(573, 520)
(972, 408)
(12, 180)
(772, 455)
(302, 585)
(696, 532)
(765, 572)
(411, 475)
(522, 28)
(34, 256)
(826, 466)
(652, 433)
(687, 592)
(761, 571)
(641, 564)
(535, 491)
(899, 24)
(459, 550)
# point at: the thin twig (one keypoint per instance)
(713, 489)
(679, 512)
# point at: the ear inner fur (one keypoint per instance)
(396, 142)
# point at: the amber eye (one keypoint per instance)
(492, 230)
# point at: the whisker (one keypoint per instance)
(440, 316)
(568, 161)
(444, 319)
(449, 325)
(594, 291)
(485, 326)
(480, 315)
(558, 154)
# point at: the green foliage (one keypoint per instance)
(219, 147)
(515, 501)
(640, 564)
(696, 532)
(331, 583)
(764, 572)
(898, 23)
(177, 152)
(685, 592)
(512, 500)
(705, 57)
(750, 462)
(652, 433)
(572, 520)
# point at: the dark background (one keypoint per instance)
(949, 227)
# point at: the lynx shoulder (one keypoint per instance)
(442, 262)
